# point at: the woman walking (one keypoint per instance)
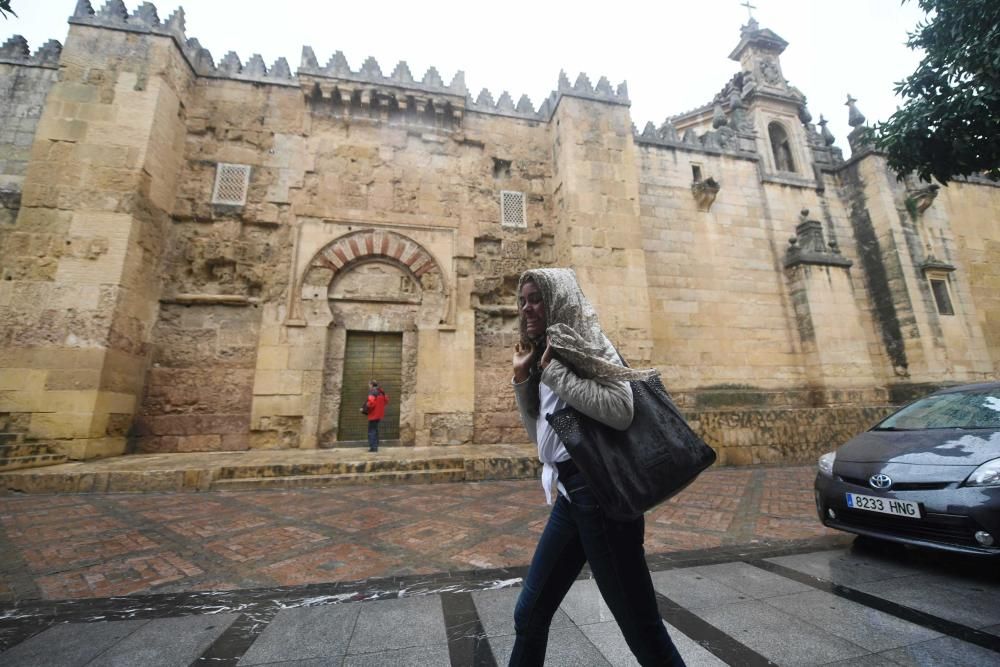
(564, 359)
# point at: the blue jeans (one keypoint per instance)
(578, 532)
(373, 435)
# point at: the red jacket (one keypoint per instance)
(377, 400)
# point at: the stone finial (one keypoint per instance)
(649, 132)
(691, 137)
(308, 58)
(176, 22)
(230, 63)
(49, 53)
(146, 15)
(804, 116)
(280, 69)
(255, 66)
(524, 105)
(583, 84)
(623, 90)
(457, 84)
(711, 140)
(485, 99)
(854, 118)
(719, 117)
(432, 78)
(15, 48)
(668, 132)
(604, 86)
(83, 9)
(827, 135)
(115, 11)
(505, 103)
(751, 27)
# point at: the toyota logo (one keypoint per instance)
(880, 481)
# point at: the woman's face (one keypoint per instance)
(532, 309)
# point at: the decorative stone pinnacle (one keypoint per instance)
(15, 48)
(485, 99)
(83, 9)
(524, 105)
(114, 10)
(457, 84)
(432, 78)
(854, 118)
(309, 58)
(505, 103)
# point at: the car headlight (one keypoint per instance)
(987, 474)
(826, 463)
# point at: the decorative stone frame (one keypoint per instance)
(316, 328)
(350, 248)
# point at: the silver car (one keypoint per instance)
(928, 475)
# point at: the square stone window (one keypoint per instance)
(513, 211)
(231, 184)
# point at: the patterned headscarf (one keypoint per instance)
(573, 330)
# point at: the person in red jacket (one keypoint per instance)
(377, 400)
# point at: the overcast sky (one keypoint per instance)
(673, 54)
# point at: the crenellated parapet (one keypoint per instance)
(15, 51)
(722, 140)
(114, 15)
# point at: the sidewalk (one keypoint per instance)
(380, 575)
(58, 547)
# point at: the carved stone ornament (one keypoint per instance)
(704, 192)
(920, 199)
(809, 247)
(770, 73)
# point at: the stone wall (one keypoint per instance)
(786, 301)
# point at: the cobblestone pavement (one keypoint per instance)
(59, 547)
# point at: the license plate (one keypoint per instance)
(905, 508)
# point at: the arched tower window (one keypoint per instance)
(781, 147)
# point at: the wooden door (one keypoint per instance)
(368, 356)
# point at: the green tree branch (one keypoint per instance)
(949, 125)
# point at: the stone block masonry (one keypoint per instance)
(188, 244)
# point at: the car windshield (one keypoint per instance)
(967, 409)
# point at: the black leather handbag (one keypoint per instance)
(634, 470)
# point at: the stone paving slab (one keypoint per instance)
(408, 622)
(72, 546)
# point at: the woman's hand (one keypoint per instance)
(546, 356)
(522, 361)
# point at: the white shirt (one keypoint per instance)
(550, 447)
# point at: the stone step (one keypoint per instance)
(314, 481)
(11, 438)
(204, 471)
(333, 468)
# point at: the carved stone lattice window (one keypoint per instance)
(231, 184)
(513, 212)
(781, 147)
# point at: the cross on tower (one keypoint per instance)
(749, 7)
